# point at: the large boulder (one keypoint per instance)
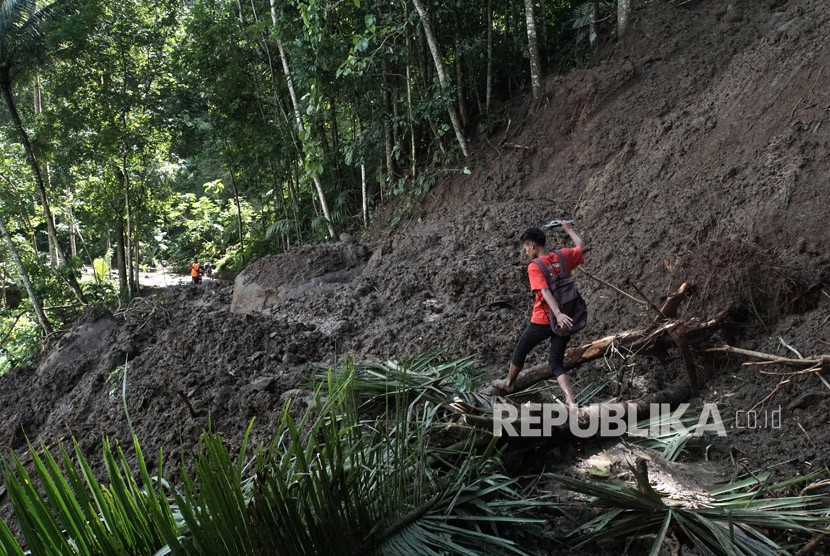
(268, 281)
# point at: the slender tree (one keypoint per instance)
(623, 13)
(24, 277)
(489, 85)
(533, 51)
(459, 85)
(22, 48)
(438, 58)
(301, 130)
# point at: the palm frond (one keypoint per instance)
(661, 434)
(21, 29)
(423, 377)
(345, 486)
(76, 514)
(729, 525)
(329, 483)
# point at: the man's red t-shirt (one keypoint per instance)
(573, 258)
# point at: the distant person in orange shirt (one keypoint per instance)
(569, 312)
(194, 271)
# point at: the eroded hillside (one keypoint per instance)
(697, 153)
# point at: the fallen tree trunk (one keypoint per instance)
(673, 395)
(593, 413)
(656, 338)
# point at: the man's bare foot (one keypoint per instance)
(502, 384)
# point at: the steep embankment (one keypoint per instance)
(697, 153)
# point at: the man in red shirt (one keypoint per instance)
(539, 328)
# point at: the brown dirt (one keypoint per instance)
(698, 152)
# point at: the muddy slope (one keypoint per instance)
(698, 152)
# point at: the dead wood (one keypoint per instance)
(655, 338)
(673, 395)
(612, 286)
(655, 308)
(517, 147)
(594, 413)
(672, 303)
(678, 334)
(818, 360)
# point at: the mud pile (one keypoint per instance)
(696, 153)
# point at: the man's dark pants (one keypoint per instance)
(535, 334)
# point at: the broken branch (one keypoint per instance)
(654, 338)
(820, 360)
(654, 307)
(678, 334)
(613, 287)
(672, 302)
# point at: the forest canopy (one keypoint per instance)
(142, 133)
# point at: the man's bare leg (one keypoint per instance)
(507, 384)
(564, 381)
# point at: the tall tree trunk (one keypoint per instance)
(623, 14)
(459, 85)
(388, 132)
(318, 183)
(426, 72)
(57, 256)
(73, 244)
(24, 277)
(128, 232)
(489, 85)
(135, 282)
(413, 154)
(533, 51)
(442, 74)
(121, 261)
(365, 196)
(295, 202)
(390, 99)
(388, 145)
(52, 240)
(5, 87)
(238, 216)
(335, 140)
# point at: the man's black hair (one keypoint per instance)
(535, 235)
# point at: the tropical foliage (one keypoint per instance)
(329, 483)
(750, 517)
(152, 131)
(412, 479)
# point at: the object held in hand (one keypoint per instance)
(557, 223)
